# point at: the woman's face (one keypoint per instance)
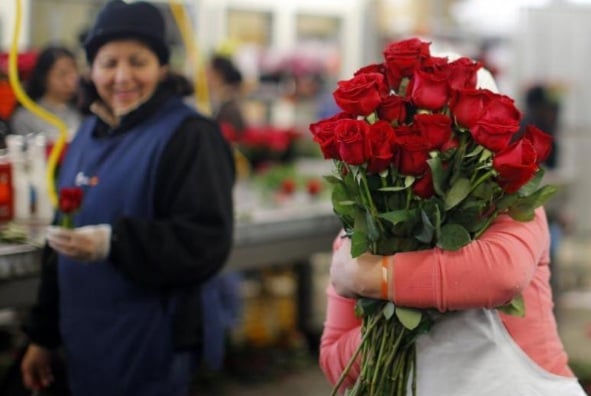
(126, 74)
(62, 80)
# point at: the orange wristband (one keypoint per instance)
(386, 294)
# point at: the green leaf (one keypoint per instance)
(425, 233)
(398, 216)
(373, 232)
(408, 181)
(439, 175)
(453, 237)
(459, 190)
(359, 243)
(410, 318)
(368, 306)
(389, 309)
(477, 150)
(515, 307)
(530, 187)
(333, 179)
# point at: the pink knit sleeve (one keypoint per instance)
(486, 273)
(340, 338)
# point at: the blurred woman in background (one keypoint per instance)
(53, 85)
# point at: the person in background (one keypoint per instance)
(122, 289)
(225, 88)
(53, 84)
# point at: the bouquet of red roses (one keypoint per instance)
(423, 158)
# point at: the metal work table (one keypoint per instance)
(269, 238)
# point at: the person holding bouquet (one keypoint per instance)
(121, 285)
(439, 282)
(476, 350)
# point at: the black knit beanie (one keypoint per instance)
(119, 20)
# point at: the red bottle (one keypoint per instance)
(6, 191)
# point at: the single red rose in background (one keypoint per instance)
(69, 202)
(314, 186)
(70, 199)
(288, 186)
(515, 165)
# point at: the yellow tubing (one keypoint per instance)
(199, 79)
(34, 108)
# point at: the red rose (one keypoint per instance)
(373, 68)
(70, 199)
(380, 139)
(541, 141)
(393, 108)
(350, 139)
(323, 133)
(434, 64)
(436, 128)
(287, 186)
(429, 90)
(498, 123)
(403, 57)
(515, 165)
(360, 95)
(467, 105)
(412, 151)
(314, 186)
(423, 187)
(462, 73)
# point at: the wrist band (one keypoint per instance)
(386, 279)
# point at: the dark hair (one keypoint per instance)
(37, 83)
(226, 68)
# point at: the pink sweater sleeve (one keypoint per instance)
(486, 273)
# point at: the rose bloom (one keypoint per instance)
(436, 128)
(541, 141)
(380, 141)
(462, 73)
(515, 165)
(412, 151)
(70, 199)
(323, 133)
(350, 139)
(429, 90)
(403, 58)
(362, 94)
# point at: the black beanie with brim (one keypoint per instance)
(119, 20)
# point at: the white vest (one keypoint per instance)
(470, 353)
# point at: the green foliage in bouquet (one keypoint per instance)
(423, 158)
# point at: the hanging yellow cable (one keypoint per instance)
(200, 80)
(34, 108)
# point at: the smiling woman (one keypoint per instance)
(154, 227)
